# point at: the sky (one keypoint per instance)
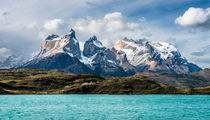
(24, 24)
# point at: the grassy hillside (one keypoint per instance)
(183, 81)
(202, 90)
(40, 81)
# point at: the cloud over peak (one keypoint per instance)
(53, 26)
(195, 17)
(108, 28)
(110, 22)
(4, 53)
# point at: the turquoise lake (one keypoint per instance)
(104, 107)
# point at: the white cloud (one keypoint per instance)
(113, 16)
(54, 26)
(195, 17)
(108, 29)
(4, 53)
(111, 22)
(115, 22)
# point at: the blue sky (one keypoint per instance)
(24, 24)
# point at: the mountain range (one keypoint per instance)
(13, 60)
(126, 58)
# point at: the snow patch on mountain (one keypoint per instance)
(98, 44)
(164, 49)
(87, 60)
(138, 52)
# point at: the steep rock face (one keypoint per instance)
(92, 46)
(59, 53)
(107, 66)
(158, 56)
(54, 44)
(103, 60)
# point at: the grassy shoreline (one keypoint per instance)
(53, 82)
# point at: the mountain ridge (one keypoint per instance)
(126, 58)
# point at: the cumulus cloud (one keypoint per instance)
(115, 22)
(4, 53)
(111, 22)
(54, 26)
(195, 17)
(109, 28)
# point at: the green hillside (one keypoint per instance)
(40, 81)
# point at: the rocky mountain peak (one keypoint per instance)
(55, 44)
(51, 37)
(94, 38)
(71, 34)
(157, 56)
(92, 46)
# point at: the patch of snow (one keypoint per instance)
(98, 44)
(110, 61)
(75, 40)
(58, 38)
(164, 49)
(70, 54)
(133, 49)
(128, 51)
(87, 60)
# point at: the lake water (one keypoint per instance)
(105, 107)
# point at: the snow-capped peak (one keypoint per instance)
(55, 44)
(164, 49)
(142, 51)
(71, 36)
(95, 41)
(72, 33)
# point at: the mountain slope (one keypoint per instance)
(156, 56)
(61, 61)
(192, 80)
(103, 60)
